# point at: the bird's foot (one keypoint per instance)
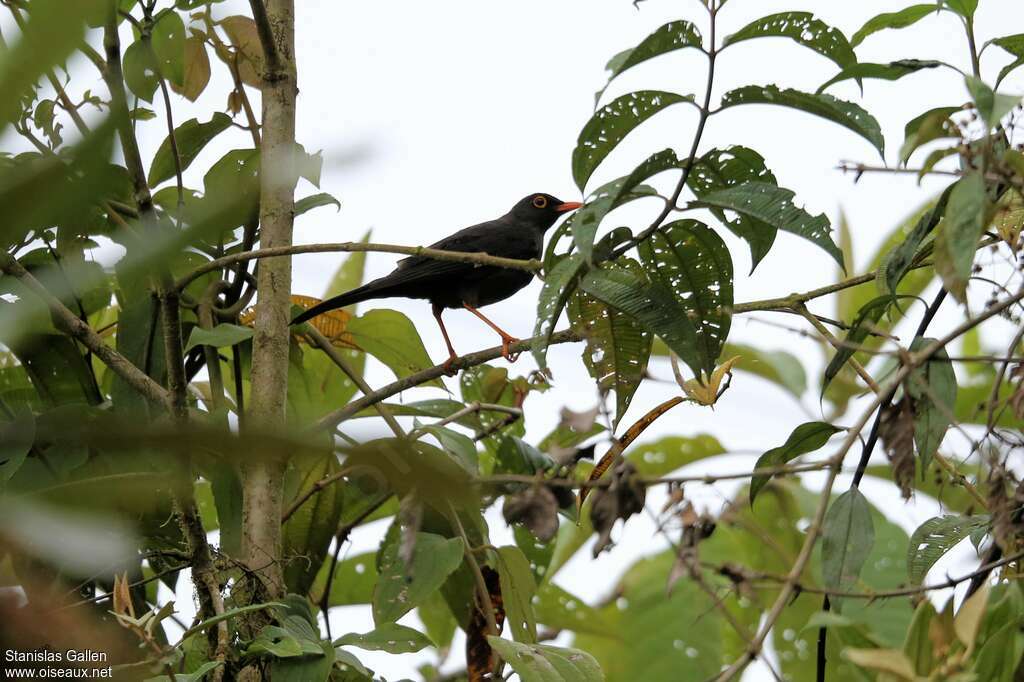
(506, 351)
(449, 367)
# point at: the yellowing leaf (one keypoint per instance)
(891, 661)
(333, 324)
(967, 621)
(707, 394)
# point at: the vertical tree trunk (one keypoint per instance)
(262, 475)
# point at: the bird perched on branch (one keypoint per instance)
(449, 284)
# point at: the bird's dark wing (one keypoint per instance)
(496, 237)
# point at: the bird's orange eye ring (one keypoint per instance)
(540, 202)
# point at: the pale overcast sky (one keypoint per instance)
(437, 115)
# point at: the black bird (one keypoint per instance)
(447, 284)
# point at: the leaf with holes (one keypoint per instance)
(517, 592)
(675, 35)
(558, 286)
(729, 167)
(402, 587)
(867, 317)
(846, 114)
(653, 306)
(389, 637)
(693, 262)
(611, 195)
(617, 345)
(934, 538)
(901, 19)
(804, 439)
(847, 536)
(803, 28)
(191, 137)
(141, 73)
(542, 663)
(932, 387)
(888, 72)
(610, 125)
(774, 205)
(957, 240)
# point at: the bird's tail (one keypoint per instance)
(357, 295)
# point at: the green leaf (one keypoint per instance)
(349, 274)
(653, 306)
(194, 676)
(16, 438)
(804, 439)
(932, 387)
(141, 71)
(964, 8)
(896, 264)
(617, 346)
(610, 125)
(53, 31)
(353, 582)
(729, 167)
(541, 663)
(889, 72)
(803, 28)
(905, 17)
(846, 114)
(1014, 45)
(517, 591)
(869, 314)
(848, 535)
(401, 588)
(918, 645)
(774, 205)
(1000, 655)
(933, 124)
(959, 232)
(934, 538)
(223, 334)
(457, 444)
(675, 35)
(307, 533)
(611, 195)
(558, 286)
(692, 261)
(191, 137)
(392, 338)
(992, 106)
(561, 610)
(314, 201)
(389, 637)
(235, 175)
(168, 40)
(777, 366)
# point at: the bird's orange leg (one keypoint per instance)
(506, 338)
(452, 356)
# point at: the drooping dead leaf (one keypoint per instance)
(242, 33)
(332, 324)
(624, 497)
(707, 394)
(480, 659)
(122, 598)
(896, 429)
(536, 508)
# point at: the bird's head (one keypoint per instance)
(542, 210)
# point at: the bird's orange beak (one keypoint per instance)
(568, 206)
